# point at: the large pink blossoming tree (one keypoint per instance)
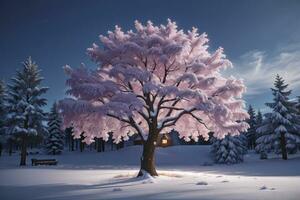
(150, 81)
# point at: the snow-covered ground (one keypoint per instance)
(186, 172)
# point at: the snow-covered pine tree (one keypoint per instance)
(251, 132)
(258, 142)
(55, 139)
(297, 127)
(3, 114)
(229, 150)
(284, 119)
(3, 106)
(298, 104)
(265, 135)
(259, 119)
(293, 134)
(25, 104)
(69, 137)
(243, 138)
(269, 141)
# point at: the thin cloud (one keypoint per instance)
(258, 69)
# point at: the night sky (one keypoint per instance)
(261, 38)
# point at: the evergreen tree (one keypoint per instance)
(259, 123)
(3, 114)
(81, 143)
(244, 140)
(266, 136)
(229, 150)
(55, 139)
(100, 144)
(3, 107)
(284, 120)
(259, 119)
(69, 138)
(269, 141)
(251, 132)
(25, 104)
(293, 134)
(298, 106)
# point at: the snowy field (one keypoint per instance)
(186, 172)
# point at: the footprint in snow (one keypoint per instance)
(263, 187)
(225, 181)
(219, 176)
(202, 183)
(148, 181)
(117, 189)
(266, 188)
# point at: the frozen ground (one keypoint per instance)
(183, 170)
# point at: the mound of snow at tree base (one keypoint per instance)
(111, 175)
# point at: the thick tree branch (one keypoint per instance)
(137, 128)
(132, 123)
(171, 108)
(171, 121)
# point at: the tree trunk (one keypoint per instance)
(119, 145)
(68, 141)
(10, 146)
(283, 146)
(72, 144)
(23, 151)
(103, 145)
(24, 142)
(81, 146)
(148, 159)
(98, 145)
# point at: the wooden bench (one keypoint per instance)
(35, 162)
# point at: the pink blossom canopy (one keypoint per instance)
(154, 76)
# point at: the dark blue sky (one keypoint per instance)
(57, 32)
